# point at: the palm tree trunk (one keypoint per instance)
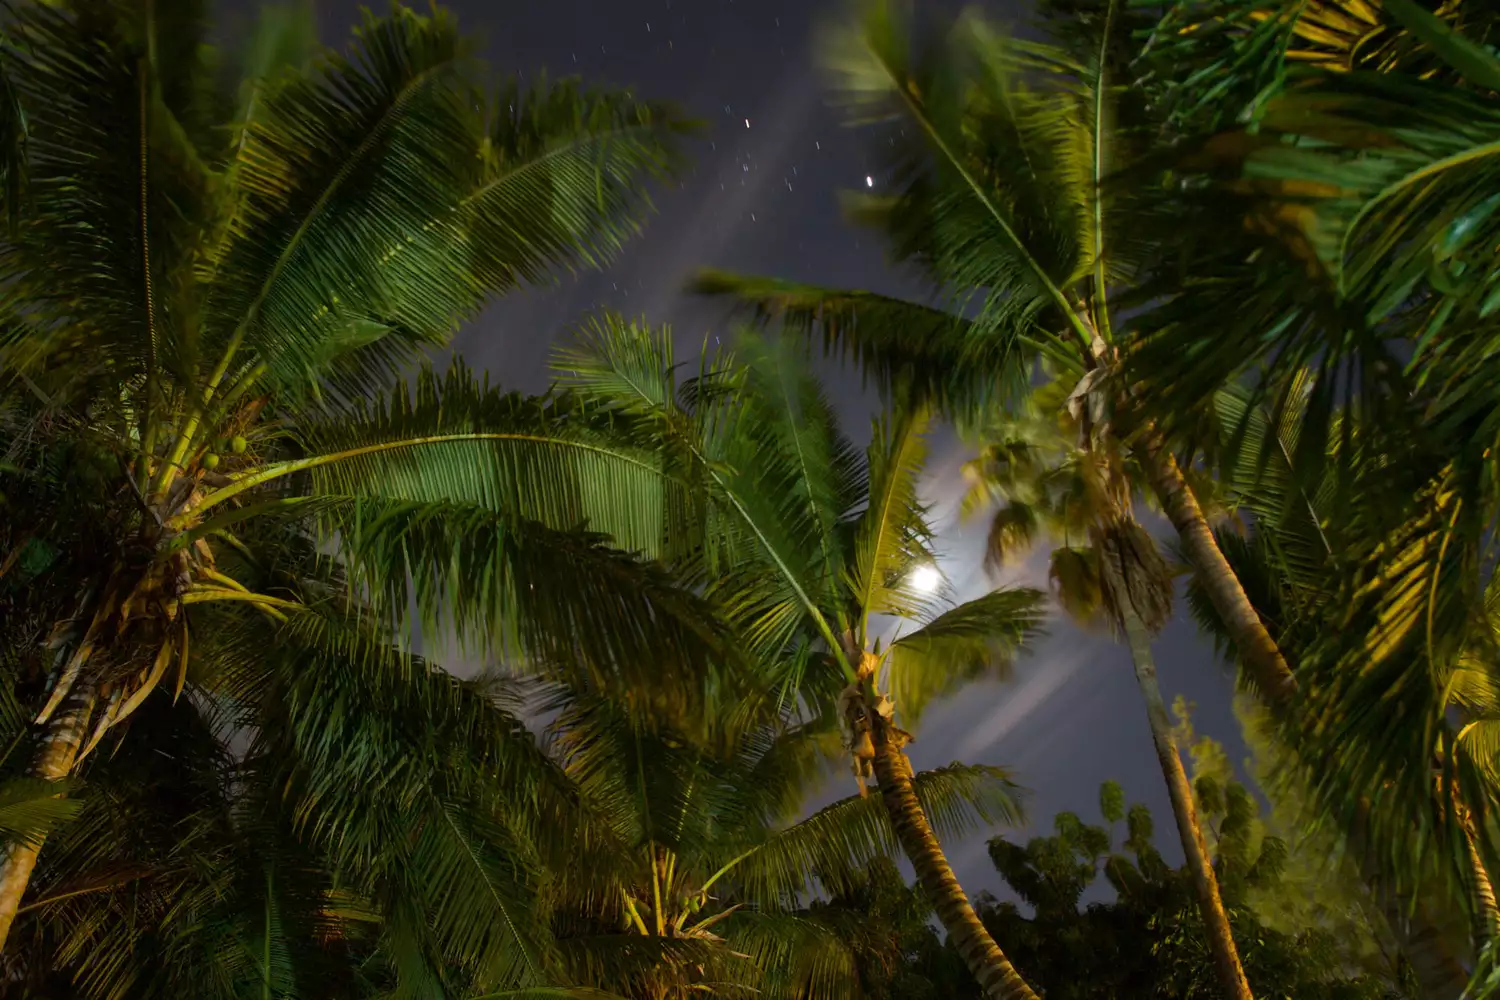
(1438, 972)
(1210, 904)
(60, 742)
(997, 977)
(1484, 913)
(1436, 969)
(1257, 650)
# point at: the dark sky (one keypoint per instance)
(762, 199)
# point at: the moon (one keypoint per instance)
(926, 578)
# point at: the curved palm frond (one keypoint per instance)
(564, 178)
(456, 438)
(344, 172)
(833, 846)
(891, 536)
(976, 639)
(762, 543)
(418, 789)
(802, 957)
(913, 352)
(996, 184)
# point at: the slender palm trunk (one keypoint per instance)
(1257, 650)
(1210, 904)
(998, 978)
(64, 734)
(1483, 912)
(1438, 972)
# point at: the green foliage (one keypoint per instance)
(897, 953)
(801, 540)
(1137, 938)
(223, 502)
(1148, 941)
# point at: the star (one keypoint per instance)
(869, 181)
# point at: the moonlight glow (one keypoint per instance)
(926, 579)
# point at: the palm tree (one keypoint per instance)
(1390, 763)
(1374, 207)
(214, 300)
(802, 544)
(1106, 570)
(1000, 154)
(322, 813)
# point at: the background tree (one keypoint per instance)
(897, 953)
(1149, 941)
(1316, 889)
(1056, 477)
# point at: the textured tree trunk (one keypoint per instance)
(64, 733)
(1210, 905)
(1257, 650)
(998, 978)
(1438, 972)
(1484, 914)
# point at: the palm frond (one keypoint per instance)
(995, 186)
(891, 536)
(119, 176)
(800, 957)
(535, 596)
(565, 178)
(31, 808)
(767, 494)
(418, 788)
(351, 176)
(455, 438)
(833, 846)
(1075, 579)
(914, 353)
(797, 463)
(976, 639)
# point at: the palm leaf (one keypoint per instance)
(1021, 240)
(454, 438)
(913, 352)
(565, 178)
(800, 957)
(31, 808)
(748, 462)
(976, 639)
(351, 174)
(891, 536)
(834, 845)
(410, 781)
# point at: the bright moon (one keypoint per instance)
(869, 181)
(926, 579)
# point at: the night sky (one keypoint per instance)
(762, 199)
